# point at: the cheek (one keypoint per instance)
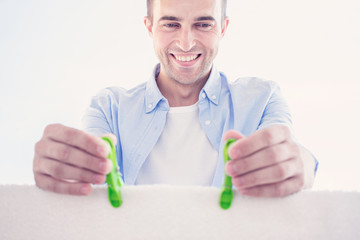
(162, 41)
(210, 41)
(210, 44)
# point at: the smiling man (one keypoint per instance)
(171, 129)
(186, 43)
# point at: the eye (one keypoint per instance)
(171, 25)
(204, 26)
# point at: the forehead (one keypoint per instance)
(186, 9)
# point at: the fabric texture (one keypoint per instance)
(169, 212)
(137, 117)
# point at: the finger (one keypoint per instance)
(64, 171)
(259, 140)
(273, 174)
(112, 137)
(232, 134)
(73, 156)
(77, 138)
(280, 189)
(263, 158)
(54, 185)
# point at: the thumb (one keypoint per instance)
(111, 136)
(233, 134)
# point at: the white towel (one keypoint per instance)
(173, 212)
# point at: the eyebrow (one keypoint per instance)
(173, 18)
(169, 18)
(205, 18)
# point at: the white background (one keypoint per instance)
(55, 55)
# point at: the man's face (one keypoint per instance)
(186, 37)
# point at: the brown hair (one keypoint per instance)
(150, 14)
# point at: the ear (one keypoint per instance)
(148, 25)
(225, 26)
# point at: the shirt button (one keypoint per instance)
(207, 122)
(203, 95)
(150, 105)
(213, 97)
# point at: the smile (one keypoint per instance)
(186, 58)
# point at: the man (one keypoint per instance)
(171, 129)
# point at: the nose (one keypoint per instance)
(186, 40)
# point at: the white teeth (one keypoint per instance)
(185, 58)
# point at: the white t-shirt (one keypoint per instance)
(183, 154)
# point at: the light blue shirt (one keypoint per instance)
(137, 117)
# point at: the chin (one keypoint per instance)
(185, 79)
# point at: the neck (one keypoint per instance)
(178, 94)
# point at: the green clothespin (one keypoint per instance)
(113, 179)
(227, 194)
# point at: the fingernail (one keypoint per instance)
(104, 150)
(102, 166)
(242, 191)
(85, 190)
(105, 165)
(237, 182)
(229, 168)
(108, 166)
(98, 178)
(234, 153)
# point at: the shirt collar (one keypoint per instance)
(153, 96)
(212, 88)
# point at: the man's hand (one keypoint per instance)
(269, 163)
(68, 160)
